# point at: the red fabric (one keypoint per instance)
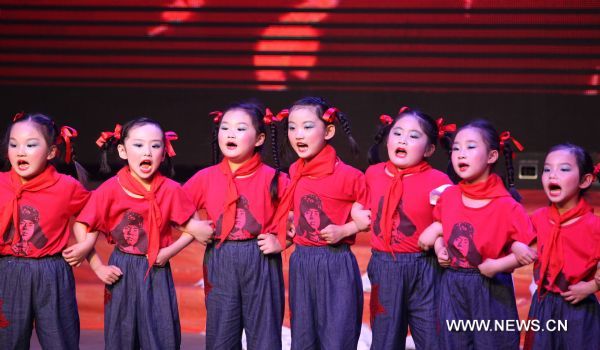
(329, 199)
(44, 204)
(394, 194)
(206, 187)
(567, 254)
(110, 209)
(231, 193)
(485, 232)
(322, 165)
(492, 187)
(414, 205)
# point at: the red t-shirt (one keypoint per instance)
(319, 202)
(473, 235)
(124, 219)
(414, 210)
(580, 244)
(44, 217)
(255, 210)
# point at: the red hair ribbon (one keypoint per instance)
(170, 136)
(105, 136)
(18, 116)
(443, 129)
(403, 109)
(330, 115)
(505, 136)
(66, 133)
(596, 170)
(282, 115)
(268, 118)
(216, 115)
(386, 119)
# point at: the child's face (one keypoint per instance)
(307, 134)
(407, 144)
(144, 150)
(561, 178)
(237, 136)
(471, 158)
(28, 151)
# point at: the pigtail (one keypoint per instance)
(510, 172)
(373, 153)
(446, 133)
(274, 187)
(107, 141)
(216, 116)
(345, 123)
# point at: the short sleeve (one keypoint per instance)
(194, 190)
(79, 198)
(522, 229)
(182, 208)
(437, 209)
(94, 212)
(360, 190)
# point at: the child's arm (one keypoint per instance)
(361, 216)
(442, 252)
(579, 291)
(76, 253)
(201, 230)
(166, 253)
(430, 235)
(524, 254)
(108, 274)
(490, 267)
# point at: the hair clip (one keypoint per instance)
(596, 170)
(268, 118)
(18, 116)
(105, 136)
(330, 115)
(386, 119)
(403, 109)
(170, 136)
(443, 129)
(216, 115)
(66, 133)
(284, 113)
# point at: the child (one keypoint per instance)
(243, 276)
(140, 302)
(404, 280)
(326, 296)
(37, 202)
(568, 239)
(477, 221)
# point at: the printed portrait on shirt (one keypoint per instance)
(130, 235)
(312, 218)
(30, 231)
(401, 224)
(461, 247)
(245, 224)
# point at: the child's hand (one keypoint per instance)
(108, 274)
(332, 234)
(523, 253)
(430, 235)
(291, 229)
(361, 217)
(443, 257)
(201, 230)
(75, 254)
(269, 244)
(579, 291)
(164, 254)
(488, 268)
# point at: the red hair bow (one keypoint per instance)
(403, 109)
(505, 136)
(105, 136)
(330, 115)
(596, 169)
(66, 133)
(282, 115)
(386, 119)
(269, 117)
(18, 116)
(443, 129)
(170, 136)
(216, 115)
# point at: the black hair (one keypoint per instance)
(256, 111)
(491, 138)
(583, 159)
(51, 134)
(112, 142)
(427, 124)
(321, 106)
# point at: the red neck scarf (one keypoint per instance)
(231, 197)
(491, 188)
(552, 258)
(394, 194)
(128, 182)
(47, 178)
(321, 165)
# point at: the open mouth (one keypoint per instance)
(463, 166)
(400, 152)
(302, 147)
(231, 145)
(146, 166)
(554, 189)
(22, 164)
